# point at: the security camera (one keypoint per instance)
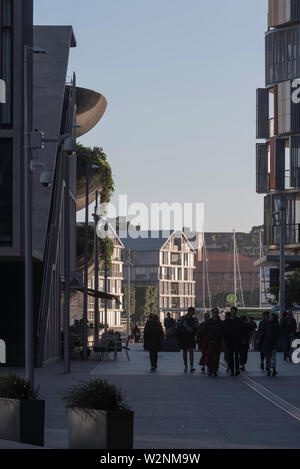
(70, 146)
(46, 179)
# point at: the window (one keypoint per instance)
(5, 192)
(6, 61)
(281, 57)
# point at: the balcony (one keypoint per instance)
(272, 127)
(292, 235)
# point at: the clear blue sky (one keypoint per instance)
(180, 80)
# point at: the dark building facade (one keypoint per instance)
(278, 125)
(54, 107)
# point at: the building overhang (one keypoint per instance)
(91, 106)
(272, 260)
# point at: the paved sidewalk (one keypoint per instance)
(174, 409)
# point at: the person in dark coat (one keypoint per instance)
(214, 332)
(136, 334)
(253, 333)
(153, 335)
(266, 316)
(227, 318)
(169, 324)
(202, 340)
(233, 333)
(186, 329)
(246, 337)
(270, 334)
(150, 317)
(288, 327)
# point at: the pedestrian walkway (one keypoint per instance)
(181, 410)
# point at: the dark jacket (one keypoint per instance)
(186, 330)
(153, 335)
(270, 333)
(233, 334)
(288, 326)
(169, 323)
(214, 330)
(246, 332)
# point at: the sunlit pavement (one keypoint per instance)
(174, 409)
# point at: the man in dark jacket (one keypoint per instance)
(288, 327)
(246, 336)
(233, 333)
(153, 335)
(214, 332)
(186, 329)
(270, 333)
(169, 324)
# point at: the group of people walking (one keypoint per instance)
(231, 336)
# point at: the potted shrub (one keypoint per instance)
(98, 416)
(22, 414)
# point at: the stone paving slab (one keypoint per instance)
(180, 410)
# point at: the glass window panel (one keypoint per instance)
(5, 192)
(6, 12)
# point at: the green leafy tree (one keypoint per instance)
(132, 302)
(146, 302)
(80, 248)
(150, 301)
(96, 157)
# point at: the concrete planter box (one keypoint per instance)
(22, 421)
(99, 429)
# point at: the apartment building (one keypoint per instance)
(167, 263)
(114, 284)
(278, 125)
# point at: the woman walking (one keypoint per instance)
(270, 334)
(153, 335)
(202, 340)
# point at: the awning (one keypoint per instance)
(99, 294)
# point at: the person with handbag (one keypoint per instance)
(153, 335)
(259, 338)
(202, 340)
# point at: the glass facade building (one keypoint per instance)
(278, 125)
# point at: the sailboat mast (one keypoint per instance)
(234, 268)
(203, 273)
(260, 270)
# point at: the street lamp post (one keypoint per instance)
(86, 246)
(96, 272)
(279, 216)
(282, 210)
(105, 278)
(86, 260)
(29, 356)
(128, 292)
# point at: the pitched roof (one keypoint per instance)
(146, 241)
